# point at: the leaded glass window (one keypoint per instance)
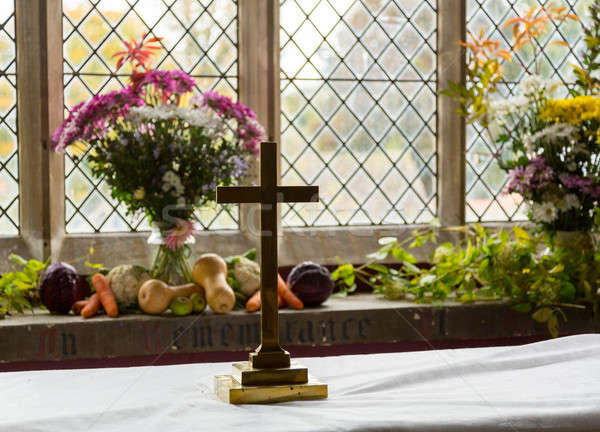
(9, 163)
(358, 102)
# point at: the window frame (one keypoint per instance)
(40, 111)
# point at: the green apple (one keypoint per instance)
(181, 306)
(198, 301)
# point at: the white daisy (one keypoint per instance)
(545, 212)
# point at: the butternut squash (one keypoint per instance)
(210, 271)
(155, 296)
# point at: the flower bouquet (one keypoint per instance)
(555, 158)
(162, 150)
(549, 147)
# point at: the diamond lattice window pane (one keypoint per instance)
(199, 37)
(9, 164)
(486, 200)
(358, 86)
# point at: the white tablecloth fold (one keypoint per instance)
(551, 386)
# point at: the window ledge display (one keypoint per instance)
(357, 324)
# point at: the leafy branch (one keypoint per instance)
(500, 266)
(587, 82)
(485, 59)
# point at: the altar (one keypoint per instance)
(552, 385)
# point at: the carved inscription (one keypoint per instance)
(231, 333)
(69, 344)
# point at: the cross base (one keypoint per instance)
(261, 359)
(277, 385)
(247, 375)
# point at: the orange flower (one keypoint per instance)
(534, 23)
(138, 53)
(484, 50)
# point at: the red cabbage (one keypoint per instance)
(61, 287)
(311, 282)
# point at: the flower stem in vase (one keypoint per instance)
(171, 263)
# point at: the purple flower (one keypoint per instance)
(240, 166)
(531, 177)
(581, 184)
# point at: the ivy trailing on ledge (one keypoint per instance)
(535, 273)
(18, 288)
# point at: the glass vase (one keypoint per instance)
(170, 265)
(580, 241)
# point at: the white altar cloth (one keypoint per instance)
(551, 386)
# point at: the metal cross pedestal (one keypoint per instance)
(269, 375)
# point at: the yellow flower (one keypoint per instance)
(573, 111)
(139, 194)
(112, 134)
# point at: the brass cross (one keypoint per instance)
(269, 354)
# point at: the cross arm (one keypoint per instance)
(297, 194)
(238, 194)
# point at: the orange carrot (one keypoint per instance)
(107, 298)
(92, 306)
(287, 295)
(253, 303)
(284, 296)
(78, 306)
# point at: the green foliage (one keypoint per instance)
(500, 266)
(345, 275)
(587, 81)
(474, 97)
(19, 287)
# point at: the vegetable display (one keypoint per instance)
(311, 282)
(61, 287)
(222, 284)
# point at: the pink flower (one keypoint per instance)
(88, 120)
(169, 82)
(177, 236)
(250, 132)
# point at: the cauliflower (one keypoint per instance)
(125, 282)
(247, 273)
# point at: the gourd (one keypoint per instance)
(155, 296)
(210, 271)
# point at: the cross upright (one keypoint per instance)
(269, 354)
